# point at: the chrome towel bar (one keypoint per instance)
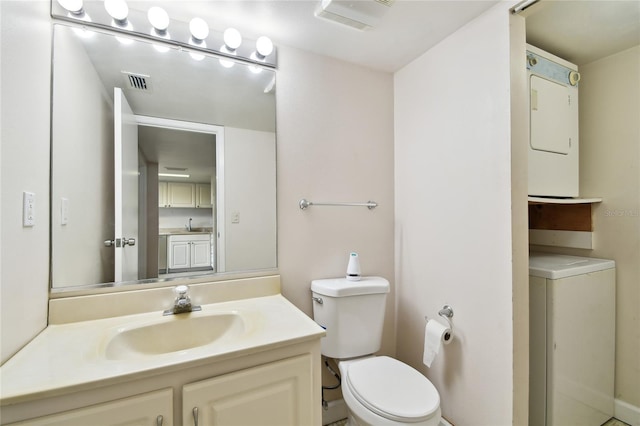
(304, 203)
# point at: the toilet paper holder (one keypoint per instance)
(447, 313)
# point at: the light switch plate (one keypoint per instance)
(64, 211)
(28, 208)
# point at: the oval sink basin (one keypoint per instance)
(173, 334)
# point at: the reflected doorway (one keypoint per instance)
(179, 197)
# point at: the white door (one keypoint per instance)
(125, 188)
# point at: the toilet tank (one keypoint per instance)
(352, 312)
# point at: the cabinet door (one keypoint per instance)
(275, 394)
(162, 194)
(203, 195)
(181, 194)
(149, 409)
(179, 254)
(200, 253)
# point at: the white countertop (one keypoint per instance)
(71, 357)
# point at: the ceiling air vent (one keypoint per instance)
(138, 82)
(360, 14)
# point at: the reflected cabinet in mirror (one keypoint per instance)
(163, 162)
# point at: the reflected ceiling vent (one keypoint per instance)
(175, 169)
(138, 82)
(360, 14)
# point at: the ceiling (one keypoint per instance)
(583, 31)
(579, 31)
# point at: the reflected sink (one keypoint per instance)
(173, 334)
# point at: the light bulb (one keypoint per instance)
(125, 40)
(196, 56)
(160, 48)
(159, 18)
(199, 43)
(226, 62)
(118, 10)
(73, 6)
(199, 29)
(232, 39)
(264, 46)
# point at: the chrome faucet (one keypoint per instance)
(189, 225)
(182, 303)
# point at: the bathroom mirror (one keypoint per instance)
(162, 162)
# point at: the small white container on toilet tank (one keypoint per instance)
(353, 324)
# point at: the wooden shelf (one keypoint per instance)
(544, 200)
(563, 222)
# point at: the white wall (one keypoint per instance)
(335, 143)
(179, 217)
(25, 43)
(82, 130)
(453, 216)
(610, 168)
(249, 192)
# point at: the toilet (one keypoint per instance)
(378, 390)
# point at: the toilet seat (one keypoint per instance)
(392, 389)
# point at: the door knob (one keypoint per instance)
(128, 242)
(109, 243)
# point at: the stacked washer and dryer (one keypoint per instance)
(571, 299)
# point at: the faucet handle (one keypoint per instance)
(181, 290)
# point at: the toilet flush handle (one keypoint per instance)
(317, 300)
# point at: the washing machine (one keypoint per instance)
(553, 125)
(571, 340)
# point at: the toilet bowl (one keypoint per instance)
(382, 391)
(378, 390)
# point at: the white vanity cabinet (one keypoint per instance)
(149, 409)
(189, 251)
(279, 393)
(263, 370)
(277, 387)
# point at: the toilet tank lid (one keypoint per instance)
(340, 287)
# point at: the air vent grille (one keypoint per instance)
(139, 82)
(360, 14)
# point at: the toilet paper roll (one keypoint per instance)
(435, 335)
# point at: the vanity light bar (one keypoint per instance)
(114, 16)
